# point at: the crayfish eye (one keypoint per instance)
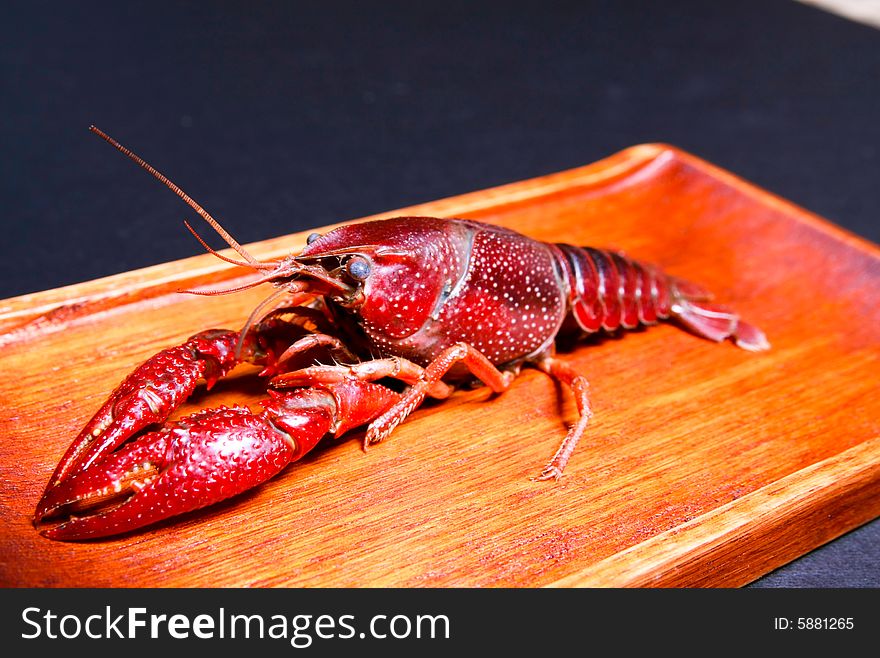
(358, 268)
(312, 238)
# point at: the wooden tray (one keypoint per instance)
(706, 465)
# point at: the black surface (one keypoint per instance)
(279, 117)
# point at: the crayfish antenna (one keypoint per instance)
(213, 292)
(258, 265)
(183, 195)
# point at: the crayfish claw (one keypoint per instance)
(200, 460)
(93, 497)
(148, 396)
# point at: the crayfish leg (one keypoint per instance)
(394, 367)
(580, 387)
(475, 361)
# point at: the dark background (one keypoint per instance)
(284, 116)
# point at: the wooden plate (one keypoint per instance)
(705, 465)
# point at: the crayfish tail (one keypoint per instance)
(749, 337)
(719, 323)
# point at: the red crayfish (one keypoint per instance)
(428, 302)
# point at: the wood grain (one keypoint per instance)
(705, 465)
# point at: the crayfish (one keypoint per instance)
(427, 302)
